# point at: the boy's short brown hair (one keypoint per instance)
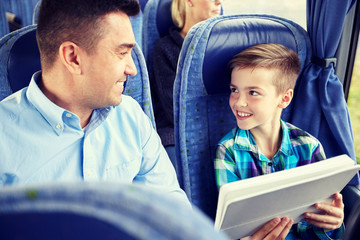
(270, 56)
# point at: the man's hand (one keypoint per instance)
(275, 229)
(332, 215)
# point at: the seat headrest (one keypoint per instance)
(231, 36)
(163, 17)
(142, 4)
(24, 61)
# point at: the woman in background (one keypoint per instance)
(185, 14)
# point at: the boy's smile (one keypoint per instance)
(243, 115)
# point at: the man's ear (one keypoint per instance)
(286, 98)
(69, 54)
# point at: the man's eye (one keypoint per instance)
(233, 89)
(253, 93)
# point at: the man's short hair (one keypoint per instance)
(270, 56)
(78, 21)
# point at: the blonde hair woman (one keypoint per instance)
(185, 14)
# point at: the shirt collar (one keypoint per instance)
(56, 116)
(286, 146)
(245, 141)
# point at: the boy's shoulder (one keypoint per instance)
(229, 138)
(300, 136)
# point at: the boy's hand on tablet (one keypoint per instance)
(332, 216)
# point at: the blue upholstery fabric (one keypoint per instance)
(157, 15)
(36, 13)
(201, 92)
(143, 4)
(353, 223)
(20, 58)
(80, 210)
(4, 26)
(10, 81)
(137, 26)
(23, 9)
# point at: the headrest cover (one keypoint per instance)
(231, 36)
(163, 17)
(142, 4)
(24, 61)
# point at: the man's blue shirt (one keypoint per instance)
(41, 141)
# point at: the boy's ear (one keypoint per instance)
(69, 54)
(286, 98)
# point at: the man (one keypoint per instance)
(72, 121)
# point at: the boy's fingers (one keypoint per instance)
(330, 225)
(329, 210)
(338, 200)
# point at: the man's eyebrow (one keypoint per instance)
(126, 45)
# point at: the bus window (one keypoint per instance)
(292, 10)
(354, 103)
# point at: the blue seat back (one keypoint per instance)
(98, 211)
(36, 12)
(23, 9)
(157, 21)
(201, 91)
(20, 59)
(4, 26)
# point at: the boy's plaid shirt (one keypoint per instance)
(238, 157)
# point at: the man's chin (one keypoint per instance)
(119, 100)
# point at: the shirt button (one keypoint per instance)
(58, 126)
(270, 164)
(89, 173)
(68, 114)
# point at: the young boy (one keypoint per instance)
(262, 82)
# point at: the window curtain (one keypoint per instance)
(319, 96)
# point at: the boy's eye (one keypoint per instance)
(253, 93)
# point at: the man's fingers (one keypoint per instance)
(266, 229)
(281, 230)
(275, 229)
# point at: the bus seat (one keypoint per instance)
(137, 23)
(202, 114)
(79, 210)
(36, 13)
(352, 223)
(157, 21)
(4, 26)
(143, 4)
(20, 58)
(23, 9)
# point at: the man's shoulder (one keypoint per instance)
(14, 104)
